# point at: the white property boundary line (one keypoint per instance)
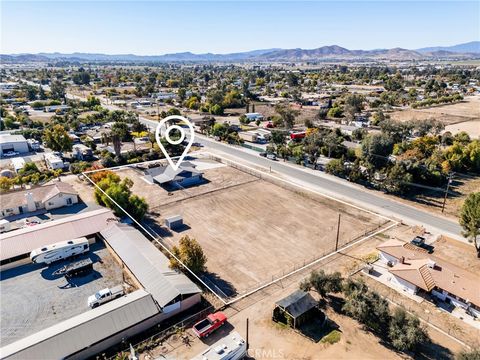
(158, 242)
(226, 303)
(311, 264)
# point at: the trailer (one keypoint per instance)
(4, 225)
(60, 251)
(78, 268)
(298, 135)
(231, 347)
(248, 136)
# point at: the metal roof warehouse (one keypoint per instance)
(16, 244)
(82, 335)
(149, 266)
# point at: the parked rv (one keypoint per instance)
(231, 347)
(59, 251)
(105, 295)
(4, 225)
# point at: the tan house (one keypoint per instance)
(46, 197)
(415, 270)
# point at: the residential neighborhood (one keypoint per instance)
(240, 189)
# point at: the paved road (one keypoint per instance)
(345, 191)
(339, 189)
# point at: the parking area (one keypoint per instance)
(251, 230)
(33, 298)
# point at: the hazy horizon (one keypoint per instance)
(156, 28)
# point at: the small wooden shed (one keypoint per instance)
(296, 308)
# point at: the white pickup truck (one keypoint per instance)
(105, 295)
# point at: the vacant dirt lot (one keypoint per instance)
(462, 116)
(253, 230)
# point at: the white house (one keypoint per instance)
(46, 197)
(416, 271)
(18, 163)
(53, 161)
(13, 143)
(254, 116)
(82, 152)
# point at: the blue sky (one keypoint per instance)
(158, 27)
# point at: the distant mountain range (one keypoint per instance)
(470, 47)
(333, 52)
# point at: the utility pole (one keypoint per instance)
(338, 232)
(450, 177)
(246, 341)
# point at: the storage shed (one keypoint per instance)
(296, 309)
(174, 222)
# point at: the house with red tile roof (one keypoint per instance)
(416, 271)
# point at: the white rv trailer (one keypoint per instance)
(231, 347)
(59, 251)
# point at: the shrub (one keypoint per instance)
(332, 337)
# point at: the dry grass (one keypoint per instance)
(462, 116)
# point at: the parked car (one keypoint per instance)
(205, 327)
(263, 154)
(105, 295)
(271, 156)
(420, 242)
(11, 153)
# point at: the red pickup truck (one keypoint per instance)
(210, 324)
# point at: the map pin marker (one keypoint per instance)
(164, 132)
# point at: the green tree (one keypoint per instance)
(57, 139)
(323, 283)
(57, 90)
(278, 137)
(335, 112)
(81, 77)
(406, 332)
(287, 114)
(118, 134)
(397, 180)
(369, 308)
(5, 183)
(117, 195)
(190, 253)
(470, 219)
(336, 167)
(376, 148)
